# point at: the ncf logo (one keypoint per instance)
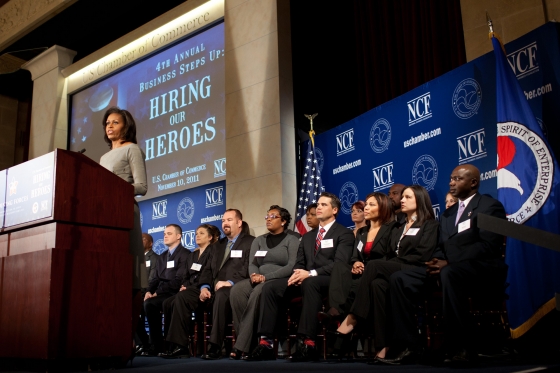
(220, 167)
(471, 146)
(419, 109)
(214, 196)
(188, 240)
(523, 61)
(345, 142)
(159, 209)
(383, 177)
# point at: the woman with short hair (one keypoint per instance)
(272, 256)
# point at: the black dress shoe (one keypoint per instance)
(214, 353)
(150, 351)
(261, 353)
(408, 356)
(463, 358)
(178, 353)
(304, 353)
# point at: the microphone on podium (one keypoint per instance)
(82, 151)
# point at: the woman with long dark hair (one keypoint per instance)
(411, 245)
(372, 242)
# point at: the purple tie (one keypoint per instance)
(460, 212)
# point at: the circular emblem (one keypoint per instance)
(348, 196)
(380, 135)
(35, 207)
(320, 158)
(159, 247)
(185, 210)
(525, 171)
(425, 172)
(467, 98)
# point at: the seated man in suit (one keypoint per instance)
(227, 264)
(318, 250)
(468, 261)
(165, 283)
(151, 265)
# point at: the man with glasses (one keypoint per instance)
(468, 261)
(318, 250)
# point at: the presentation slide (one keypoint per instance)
(177, 98)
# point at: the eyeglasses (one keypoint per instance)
(456, 178)
(273, 216)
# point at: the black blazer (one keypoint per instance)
(472, 243)
(417, 249)
(168, 280)
(380, 246)
(234, 269)
(323, 262)
(151, 257)
(192, 276)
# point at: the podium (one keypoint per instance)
(65, 267)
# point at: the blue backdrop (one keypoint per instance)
(188, 209)
(419, 137)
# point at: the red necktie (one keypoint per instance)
(318, 240)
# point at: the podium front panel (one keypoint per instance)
(29, 195)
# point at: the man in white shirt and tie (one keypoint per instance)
(468, 261)
(319, 249)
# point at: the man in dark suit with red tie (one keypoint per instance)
(319, 249)
(468, 261)
(227, 265)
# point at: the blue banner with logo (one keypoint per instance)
(528, 188)
(421, 136)
(188, 209)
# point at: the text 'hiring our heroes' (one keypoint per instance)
(167, 103)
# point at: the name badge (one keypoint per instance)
(261, 253)
(171, 264)
(327, 243)
(196, 267)
(148, 263)
(412, 231)
(464, 225)
(236, 253)
(360, 246)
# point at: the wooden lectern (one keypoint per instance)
(65, 277)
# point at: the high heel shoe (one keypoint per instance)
(342, 343)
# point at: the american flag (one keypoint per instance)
(311, 188)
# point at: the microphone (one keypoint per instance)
(82, 151)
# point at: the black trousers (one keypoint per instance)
(141, 334)
(152, 308)
(342, 287)
(371, 295)
(277, 292)
(458, 281)
(186, 302)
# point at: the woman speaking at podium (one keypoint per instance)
(126, 160)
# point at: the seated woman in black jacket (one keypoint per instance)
(411, 244)
(371, 243)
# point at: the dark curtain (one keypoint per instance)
(401, 44)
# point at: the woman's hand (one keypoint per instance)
(182, 288)
(256, 278)
(357, 268)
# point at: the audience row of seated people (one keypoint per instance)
(372, 277)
